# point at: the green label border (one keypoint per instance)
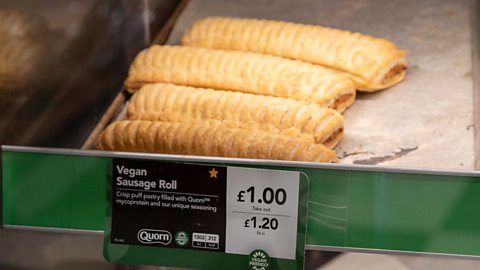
(199, 259)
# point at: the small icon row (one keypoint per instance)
(205, 240)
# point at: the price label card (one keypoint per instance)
(205, 216)
(262, 211)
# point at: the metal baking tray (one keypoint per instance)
(420, 123)
(427, 120)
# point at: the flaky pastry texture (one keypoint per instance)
(241, 71)
(174, 103)
(208, 139)
(373, 63)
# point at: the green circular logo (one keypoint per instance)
(181, 238)
(259, 260)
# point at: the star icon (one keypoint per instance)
(213, 173)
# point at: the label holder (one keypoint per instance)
(208, 258)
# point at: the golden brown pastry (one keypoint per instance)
(241, 71)
(373, 63)
(173, 103)
(208, 139)
(178, 118)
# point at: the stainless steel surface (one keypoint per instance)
(41, 250)
(425, 121)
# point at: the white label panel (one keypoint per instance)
(262, 210)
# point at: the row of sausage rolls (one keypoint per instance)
(279, 90)
(209, 138)
(243, 72)
(294, 126)
(168, 102)
(372, 63)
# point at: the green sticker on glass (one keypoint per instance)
(259, 260)
(205, 216)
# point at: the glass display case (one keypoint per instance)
(402, 194)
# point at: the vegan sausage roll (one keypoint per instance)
(208, 139)
(173, 103)
(241, 71)
(372, 63)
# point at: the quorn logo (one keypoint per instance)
(149, 236)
